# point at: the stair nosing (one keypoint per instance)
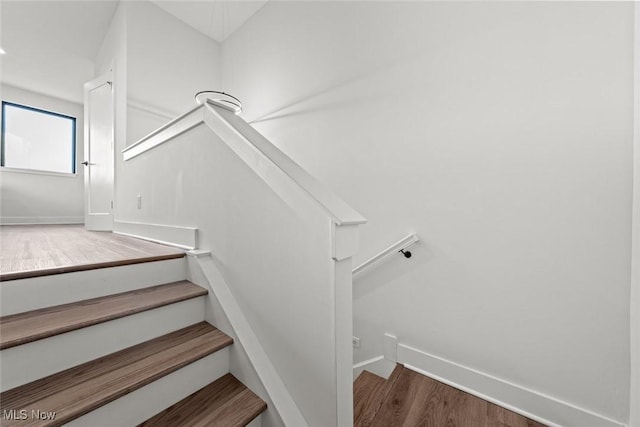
(238, 394)
(53, 331)
(206, 341)
(28, 274)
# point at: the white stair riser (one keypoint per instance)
(46, 291)
(142, 404)
(25, 363)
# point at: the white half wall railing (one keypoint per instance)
(282, 242)
(272, 383)
(399, 246)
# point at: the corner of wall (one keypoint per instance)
(634, 397)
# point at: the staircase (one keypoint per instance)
(132, 349)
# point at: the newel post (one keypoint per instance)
(344, 246)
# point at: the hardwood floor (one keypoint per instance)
(36, 250)
(409, 399)
(370, 392)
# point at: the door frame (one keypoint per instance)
(100, 222)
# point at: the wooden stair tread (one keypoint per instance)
(26, 274)
(369, 394)
(78, 390)
(33, 325)
(225, 403)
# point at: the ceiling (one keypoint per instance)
(214, 18)
(77, 27)
(51, 45)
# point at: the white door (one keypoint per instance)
(98, 153)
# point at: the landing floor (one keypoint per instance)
(409, 399)
(37, 250)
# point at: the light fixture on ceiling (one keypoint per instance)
(2, 52)
(228, 101)
(216, 96)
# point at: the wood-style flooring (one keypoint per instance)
(22, 328)
(37, 250)
(408, 399)
(223, 403)
(83, 388)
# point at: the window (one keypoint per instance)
(38, 140)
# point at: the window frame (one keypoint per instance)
(74, 139)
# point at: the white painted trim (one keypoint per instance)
(6, 169)
(198, 253)
(172, 235)
(390, 347)
(381, 365)
(222, 105)
(277, 390)
(634, 398)
(225, 122)
(175, 127)
(343, 332)
(386, 253)
(366, 363)
(150, 239)
(238, 134)
(532, 404)
(25, 220)
(99, 221)
(377, 365)
(344, 241)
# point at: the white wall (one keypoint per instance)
(49, 49)
(167, 63)
(273, 244)
(502, 134)
(33, 197)
(159, 63)
(634, 417)
(50, 45)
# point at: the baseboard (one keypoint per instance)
(181, 237)
(28, 220)
(377, 365)
(537, 406)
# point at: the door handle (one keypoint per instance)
(86, 163)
